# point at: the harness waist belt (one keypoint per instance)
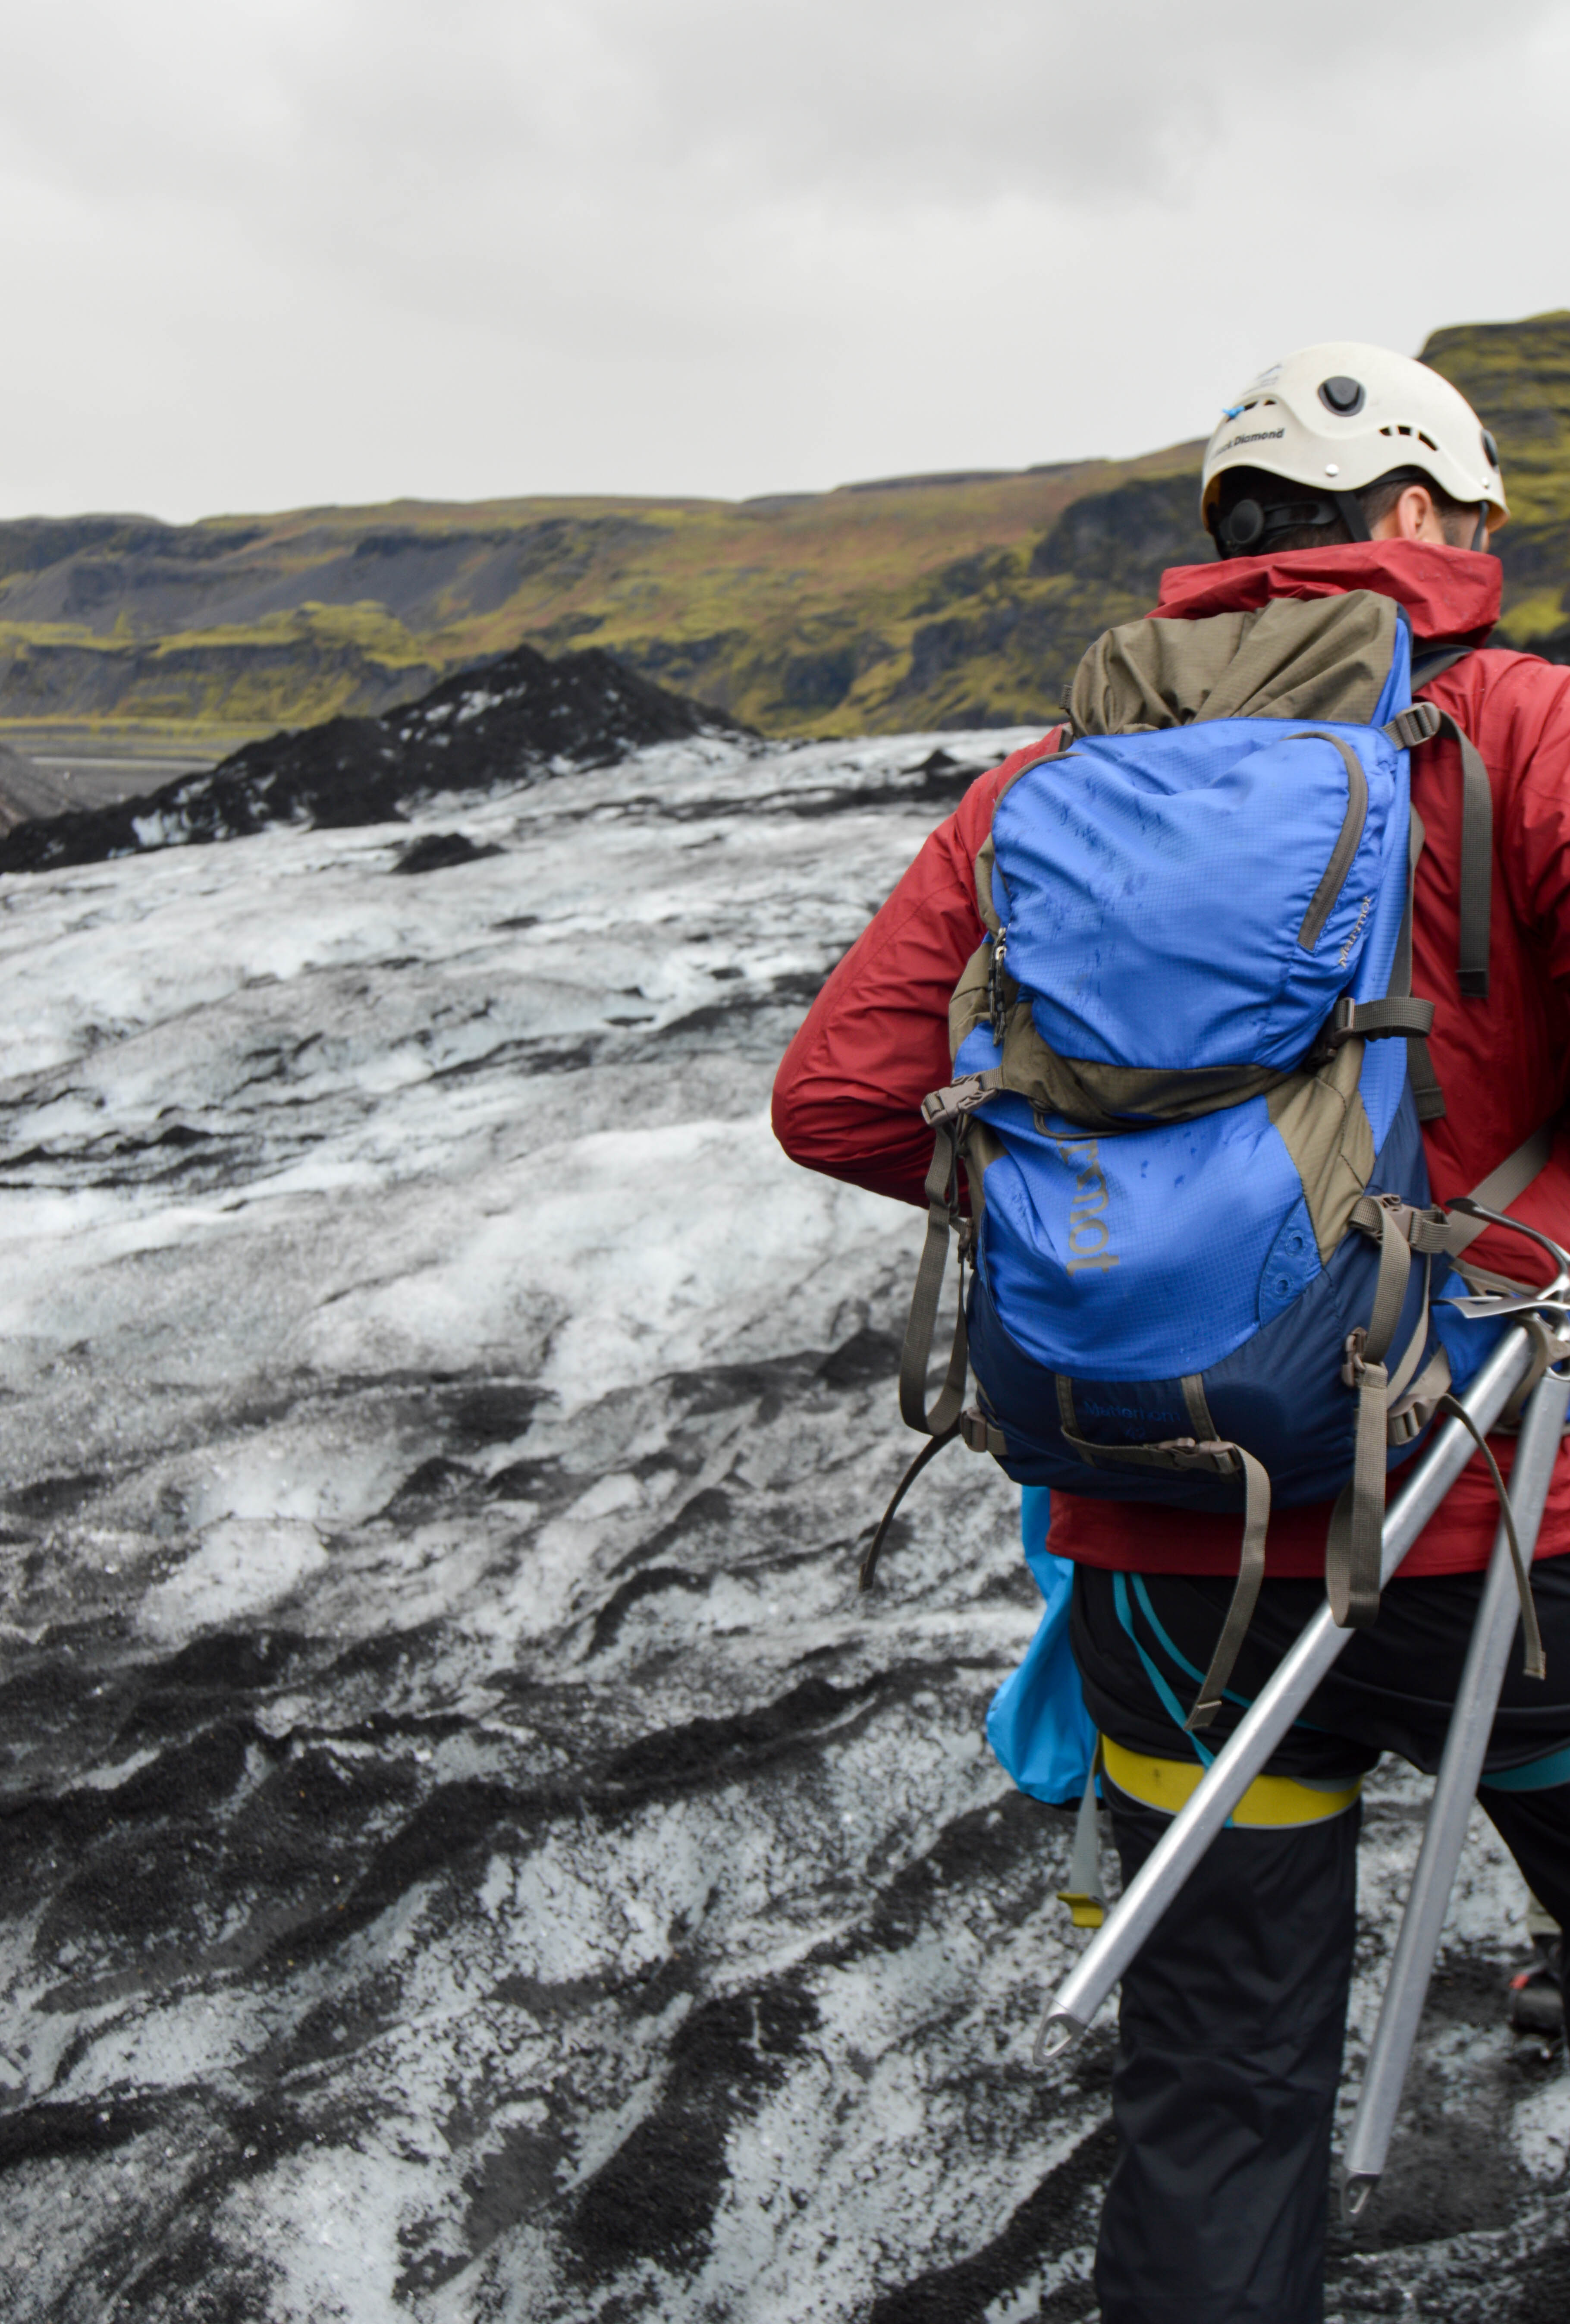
(1278, 1801)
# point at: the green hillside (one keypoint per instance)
(915, 602)
(1518, 376)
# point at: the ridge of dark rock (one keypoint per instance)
(516, 719)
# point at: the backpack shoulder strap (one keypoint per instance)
(1426, 666)
(1476, 822)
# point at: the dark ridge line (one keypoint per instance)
(456, 1819)
(518, 719)
(652, 1582)
(655, 2196)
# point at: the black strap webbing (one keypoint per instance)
(1426, 666)
(1427, 1094)
(1498, 1190)
(1535, 1665)
(1379, 1021)
(1476, 828)
(933, 1444)
(1476, 864)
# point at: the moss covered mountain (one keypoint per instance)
(916, 601)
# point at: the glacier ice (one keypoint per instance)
(468, 1852)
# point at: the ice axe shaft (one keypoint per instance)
(1454, 1788)
(1069, 2010)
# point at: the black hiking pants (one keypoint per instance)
(1231, 2023)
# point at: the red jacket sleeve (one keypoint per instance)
(848, 1095)
(1502, 1063)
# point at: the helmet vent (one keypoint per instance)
(1341, 395)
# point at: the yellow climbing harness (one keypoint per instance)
(1271, 1802)
(1278, 1801)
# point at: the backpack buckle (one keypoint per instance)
(1409, 1421)
(952, 1104)
(1341, 1025)
(1353, 1366)
(1213, 1453)
(981, 1435)
(1416, 725)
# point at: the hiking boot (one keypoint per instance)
(1537, 2000)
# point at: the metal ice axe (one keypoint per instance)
(1069, 2010)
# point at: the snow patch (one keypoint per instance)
(243, 1567)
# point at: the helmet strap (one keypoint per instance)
(1352, 515)
(1480, 538)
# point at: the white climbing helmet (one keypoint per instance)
(1335, 416)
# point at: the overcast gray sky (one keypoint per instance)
(260, 253)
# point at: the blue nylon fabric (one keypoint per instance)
(1468, 1340)
(1397, 685)
(1038, 1727)
(1104, 1256)
(1281, 1392)
(1138, 1257)
(1384, 1076)
(1153, 887)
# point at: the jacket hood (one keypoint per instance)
(1449, 593)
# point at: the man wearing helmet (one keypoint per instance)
(1343, 468)
(1310, 455)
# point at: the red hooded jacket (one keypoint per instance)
(849, 1093)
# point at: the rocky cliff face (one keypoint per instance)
(1518, 376)
(864, 609)
(951, 601)
(468, 1852)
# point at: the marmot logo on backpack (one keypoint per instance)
(1089, 1240)
(1345, 955)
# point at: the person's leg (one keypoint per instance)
(1141, 1644)
(1535, 1826)
(1232, 2017)
(1229, 2052)
(1537, 1998)
(1541, 1923)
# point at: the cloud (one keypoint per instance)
(290, 250)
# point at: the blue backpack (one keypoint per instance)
(1189, 1077)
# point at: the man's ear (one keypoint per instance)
(1413, 517)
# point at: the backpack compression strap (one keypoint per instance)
(1215, 1455)
(948, 1112)
(1353, 1547)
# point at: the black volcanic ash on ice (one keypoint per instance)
(511, 721)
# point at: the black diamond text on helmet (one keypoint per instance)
(1260, 436)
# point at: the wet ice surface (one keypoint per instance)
(468, 1855)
